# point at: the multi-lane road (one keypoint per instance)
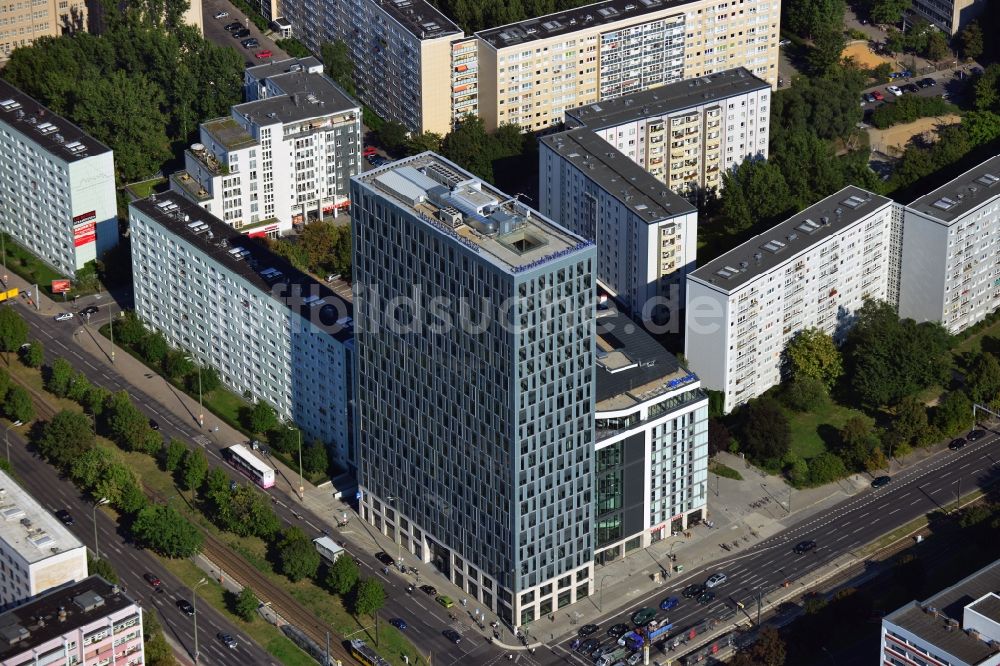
(933, 484)
(426, 619)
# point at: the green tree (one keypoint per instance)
(245, 605)
(65, 438)
(768, 650)
(970, 40)
(826, 467)
(4, 381)
(797, 470)
(812, 353)
(176, 364)
(369, 597)
(156, 650)
(13, 329)
(909, 422)
(33, 355)
(172, 454)
(95, 400)
(129, 427)
(937, 48)
(342, 575)
(153, 347)
(209, 381)
(129, 330)
(314, 458)
(469, 146)
(887, 11)
(825, 54)
(17, 405)
(393, 136)
(859, 442)
(424, 141)
(167, 532)
(765, 433)
(101, 567)
(982, 380)
(953, 413)
(297, 556)
(193, 469)
(805, 394)
(79, 386)
(244, 511)
(261, 418)
(215, 482)
(338, 65)
(811, 17)
(285, 440)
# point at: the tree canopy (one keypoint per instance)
(808, 18)
(765, 433)
(65, 438)
(13, 329)
(369, 597)
(166, 531)
(812, 353)
(296, 554)
(342, 575)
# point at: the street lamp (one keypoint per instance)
(111, 327)
(194, 614)
(97, 550)
(399, 537)
(302, 489)
(600, 598)
(201, 408)
(6, 441)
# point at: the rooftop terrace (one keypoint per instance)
(957, 197)
(61, 138)
(229, 133)
(785, 240)
(27, 527)
(664, 100)
(633, 186)
(571, 20)
(508, 233)
(251, 261)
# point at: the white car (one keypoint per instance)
(895, 90)
(715, 580)
(221, 15)
(64, 316)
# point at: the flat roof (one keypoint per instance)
(420, 17)
(306, 96)
(249, 259)
(670, 98)
(498, 227)
(27, 527)
(275, 67)
(633, 186)
(229, 133)
(38, 621)
(811, 226)
(632, 366)
(61, 138)
(962, 194)
(571, 20)
(988, 606)
(931, 618)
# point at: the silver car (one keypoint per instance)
(715, 580)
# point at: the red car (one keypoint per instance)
(151, 579)
(368, 151)
(262, 55)
(879, 97)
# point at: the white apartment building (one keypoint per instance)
(949, 15)
(686, 134)
(645, 234)
(37, 552)
(531, 72)
(950, 265)
(89, 622)
(651, 424)
(959, 626)
(284, 157)
(57, 185)
(270, 331)
(813, 270)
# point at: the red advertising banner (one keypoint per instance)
(85, 228)
(61, 286)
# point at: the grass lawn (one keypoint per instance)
(146, 187)
(725, 470)
(808, 429)
(31, 268)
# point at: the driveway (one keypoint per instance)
(215, 32)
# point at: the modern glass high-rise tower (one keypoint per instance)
(474, 335)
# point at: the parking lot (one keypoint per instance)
(215, 31)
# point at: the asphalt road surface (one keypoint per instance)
(215, 32)
(933, 484)
(54, 493)
(426, 618)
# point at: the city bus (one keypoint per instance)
(242, 459)
(366, 655)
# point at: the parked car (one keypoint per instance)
(588, 645)
(869, 98)
(879, 97)
(804, 546)
(669, 603)
(227, 640)
(151, 579)
(429, 589)
(895, 90)
(251, 43)
(64, 516)
(692, 590)
(715, 580)
(910, 88)
(90, 310)
(235, 25)
(263, 55)
(241, 33)
(398, 622)
(368, 151)
(154, 425)
(956, 444)
(975, 435)
(927, 82)
(880, 481)
(64, 316)
(184, 606)
(221, 15)
(384, 557)
(618, 630)
(452, 636)
(588, 629)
